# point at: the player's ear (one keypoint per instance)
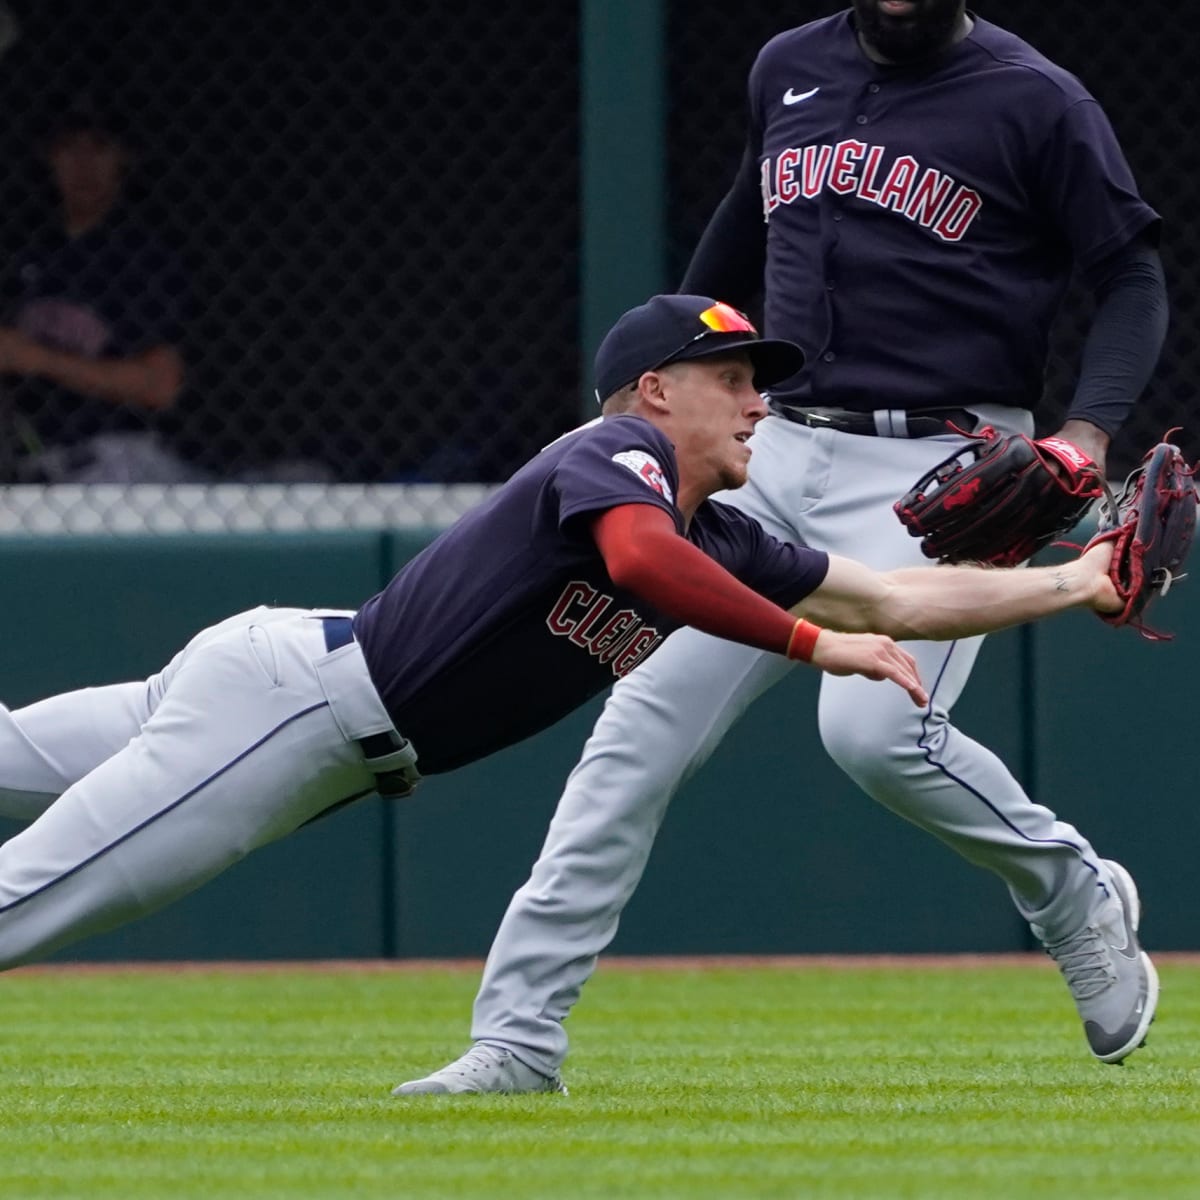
(651, 391)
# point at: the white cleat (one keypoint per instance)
(1112, 980)
(484, 1068)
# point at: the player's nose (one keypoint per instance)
(756, 406)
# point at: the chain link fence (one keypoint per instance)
(1136, 59)
(359, 226)
(357, 222)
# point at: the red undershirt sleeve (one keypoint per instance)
(644, 553)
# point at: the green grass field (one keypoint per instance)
(816, 1081)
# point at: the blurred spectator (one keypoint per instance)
(95, 309)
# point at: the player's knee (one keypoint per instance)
(849, 744)
(30, 779)
(869, 750)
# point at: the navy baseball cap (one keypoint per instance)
(676, 328)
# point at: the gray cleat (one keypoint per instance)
(484, 1068)
(1112, 979)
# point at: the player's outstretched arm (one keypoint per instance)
(644, 554)
(939, 603)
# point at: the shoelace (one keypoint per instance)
(1085, 963)
(479, 1058)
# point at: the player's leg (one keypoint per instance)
(928, 771)
(50, 744)
(241, 749)
(659, 724)
(916, 762)
(1084, 909)
(47, 746)
(922, 767)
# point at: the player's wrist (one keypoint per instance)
(803, 641)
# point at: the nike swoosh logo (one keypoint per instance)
(790, 97)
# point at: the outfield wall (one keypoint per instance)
(768, 850)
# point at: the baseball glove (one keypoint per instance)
(1151, 524)
(1013, 496)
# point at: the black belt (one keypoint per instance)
(912, 423)
(339, 631)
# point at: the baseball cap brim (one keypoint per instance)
(680, 327)
(773, 359)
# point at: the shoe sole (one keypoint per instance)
(441, 1089)
(1128, 889)
(432, 1086)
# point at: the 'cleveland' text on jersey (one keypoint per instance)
(854, 168)
(594, 621)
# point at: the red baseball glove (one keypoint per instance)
(1151, 524)
(1010, 498)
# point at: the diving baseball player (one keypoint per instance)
(917, 187)
(567, 578)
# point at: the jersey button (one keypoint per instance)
(829, 356)
(861, 119)
(873, 88)
(837, 216)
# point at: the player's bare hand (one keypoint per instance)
(1096, 562)
(872, 655)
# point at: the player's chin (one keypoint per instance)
(734, 475)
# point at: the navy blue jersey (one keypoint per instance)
(108, 293)
(509, 620)
(980, 181)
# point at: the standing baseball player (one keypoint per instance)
(567, 578)
(917, 187)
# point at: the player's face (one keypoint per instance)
(907, 30)
(714, 408)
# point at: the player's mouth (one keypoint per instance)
(898, 8)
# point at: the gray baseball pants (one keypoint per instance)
(140, 792)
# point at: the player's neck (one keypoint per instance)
(693, 492)
(687, 506)
(965, 24)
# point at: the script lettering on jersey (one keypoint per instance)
(927, 197)
(591, 620)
